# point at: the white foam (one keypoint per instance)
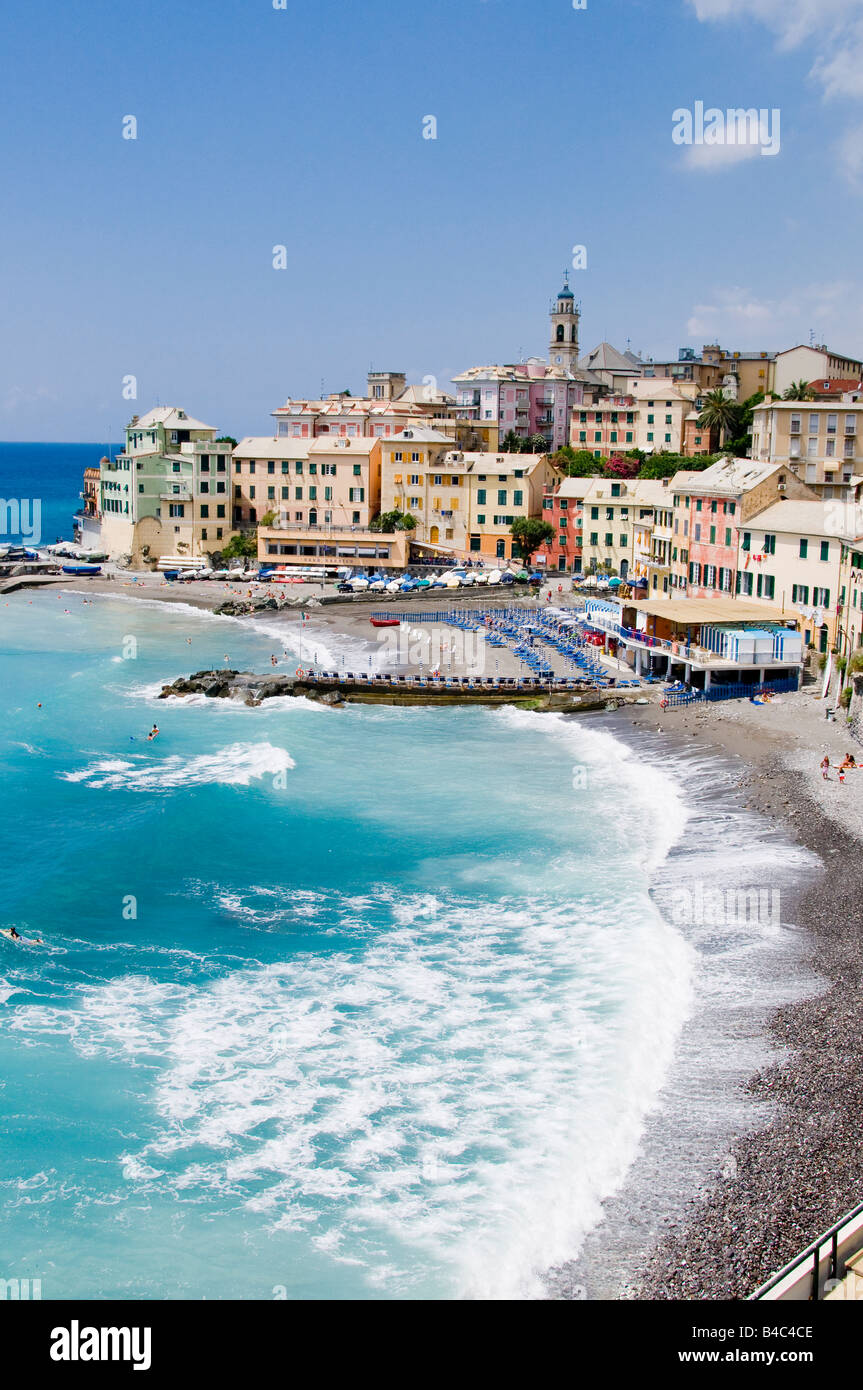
(464, 1088)
(237, 765)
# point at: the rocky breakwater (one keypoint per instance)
(246, 686)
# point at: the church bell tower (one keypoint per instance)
(563, 348)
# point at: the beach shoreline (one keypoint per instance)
(798, 1165)
(778, 1183)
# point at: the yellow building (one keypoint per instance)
(463, 503)
(307, 482)
(821, 442)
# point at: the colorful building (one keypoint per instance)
(534, 397)
(806, 362)
(287, 543)
(463, 503)
(717, 642)
(308, 482)
(821, 442)
(563, 508)
(167, 492)
(709, 509)
(790, 554)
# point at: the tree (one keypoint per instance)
(529, 533)
(534, 444)
(739, 436)
(241, 547)
(664, 465)
(577, 463)
(620, 467)
(226, 439)
(719, 413)
(393, 521)
(511, 443)
(799, 391)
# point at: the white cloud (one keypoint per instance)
(850, 154)
(833, 33)
(708, 158)
(743, 320)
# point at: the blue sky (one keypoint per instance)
(303, 127)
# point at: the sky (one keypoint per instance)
(302, 127)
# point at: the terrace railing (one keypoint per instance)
(831, 1250)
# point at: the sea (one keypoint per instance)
(45, 482)
(366, 1003)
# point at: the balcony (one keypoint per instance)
(184, 495)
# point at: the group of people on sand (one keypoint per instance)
(848, 761)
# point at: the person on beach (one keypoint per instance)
(848, 760)
(825, 768)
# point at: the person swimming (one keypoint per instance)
(15, 934)
(154, 733)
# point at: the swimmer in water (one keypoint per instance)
(154, 733)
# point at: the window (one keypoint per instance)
(698, 504)
(594, 538)
(501, 497)
(609, 538)
(594, 513)
(804, 549)
(825, 550)
(624, 541)
(745, 540)
(769, 545)
(205, 510)
(728, 535)
(518, 499)
(800, 593)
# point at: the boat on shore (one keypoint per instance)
(80, 570)
(385, 622)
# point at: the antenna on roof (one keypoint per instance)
(812, 337)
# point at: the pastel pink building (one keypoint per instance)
(532, 397)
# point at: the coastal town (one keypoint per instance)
(701, 515)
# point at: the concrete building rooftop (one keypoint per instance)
(691, 612)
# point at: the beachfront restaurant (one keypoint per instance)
(706, 643)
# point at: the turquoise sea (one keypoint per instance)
(46, 480)
(363, 1003)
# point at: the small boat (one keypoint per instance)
(80, 570)
(385, 622)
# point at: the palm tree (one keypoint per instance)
(719, 412)
(799, 391)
